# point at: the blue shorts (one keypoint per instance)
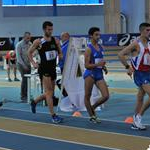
(95, 74)
(141, 77)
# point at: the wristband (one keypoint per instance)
(127, 66)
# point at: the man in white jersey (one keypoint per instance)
(140, 68)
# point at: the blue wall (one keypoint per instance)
(135, 12)
(74, 19)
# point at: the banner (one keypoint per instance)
(7, 43)
(109, 39)
(106, 40)
(126, 39)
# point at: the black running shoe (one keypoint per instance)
(9, 80)
(16, 79)
(33, 107)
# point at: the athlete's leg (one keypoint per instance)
(146, 105)
(48, 87)
(8, 69)
(89, 82)
(102, 86)
(140, 98)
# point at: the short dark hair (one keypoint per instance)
(27, 33)
(47, 23)
(92, 30)
(143, 26)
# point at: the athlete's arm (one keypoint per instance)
(88, 65)
(31, 51)
(105, 69)
(122, 56)
(60, 54)
(126, 51)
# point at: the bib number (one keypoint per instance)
(51, 55)
(98, 60)
(147, 59)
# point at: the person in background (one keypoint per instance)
(11, 63)
(64, 46)
(23, 62)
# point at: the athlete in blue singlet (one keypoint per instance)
(140, 61)
(94, 64)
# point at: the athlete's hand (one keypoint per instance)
(101, 63)
(130, 71)
(105, 69)
(35, 65)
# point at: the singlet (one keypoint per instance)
(141, 62)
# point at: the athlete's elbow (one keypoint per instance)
(86, 66)
(119, 55)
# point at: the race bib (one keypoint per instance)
(98, 60)
(147, 59)
(51, 55)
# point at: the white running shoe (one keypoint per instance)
(137, 119)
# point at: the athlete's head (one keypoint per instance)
(65, 36)
(48, 28)
(27, 36)
(144, 29)
(94, 33)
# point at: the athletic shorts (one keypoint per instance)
(11, 61)
(141, 77)
(97, 74)
(47, 73)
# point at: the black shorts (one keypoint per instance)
(11, 61)
(47, 73)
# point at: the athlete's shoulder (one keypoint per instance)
(19, 43)
(88, 50)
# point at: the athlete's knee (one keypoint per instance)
(106, 97)
(140, 97)
(15, 67)
(8, 68)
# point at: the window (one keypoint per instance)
(50, 2)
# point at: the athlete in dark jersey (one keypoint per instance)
(48, 48)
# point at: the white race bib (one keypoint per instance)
(98, 60)
(51, 55)
(147, 59)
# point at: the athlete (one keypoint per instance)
(48, 48)
(11, 63)
(140, 68)
(95, 64)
